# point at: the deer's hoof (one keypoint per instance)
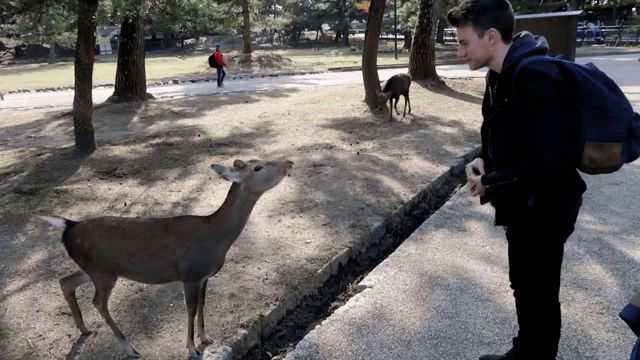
(132, 353)
(85, 331)
(205, 340)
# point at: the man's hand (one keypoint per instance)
(474, 171)
(635, 300)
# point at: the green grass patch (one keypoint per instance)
(24, 167)
(7, 333)
(253, 321)
(163, 65)
(77, 196)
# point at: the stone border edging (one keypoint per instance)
(425, 203)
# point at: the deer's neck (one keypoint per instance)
(232, 216)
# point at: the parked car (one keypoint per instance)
(588, 31)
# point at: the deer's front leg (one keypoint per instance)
(202, 335)
(191, 293)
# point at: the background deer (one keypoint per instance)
(160, 250)
(397, 85)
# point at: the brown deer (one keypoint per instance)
(160, 250)
(394, 87)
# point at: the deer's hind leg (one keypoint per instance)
(406, 101)
(191, 293)
(104, 283)
(69, 284)
(202, 335)
(390, 108)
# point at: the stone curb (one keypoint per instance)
(425, 202)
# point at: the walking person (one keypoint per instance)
(527, 167)
(217, 54)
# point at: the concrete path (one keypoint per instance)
(619, 64)
(100, 94)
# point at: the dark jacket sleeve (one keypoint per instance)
(631, 315)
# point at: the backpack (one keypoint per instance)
(212, 62)
(610, 129)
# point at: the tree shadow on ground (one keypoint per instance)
(446, 90)
(59, 178)
(368, 190)
(115, 121)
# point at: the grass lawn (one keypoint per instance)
(158, 66)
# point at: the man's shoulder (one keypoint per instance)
(537, 68)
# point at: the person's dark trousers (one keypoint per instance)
(535, 261)
(221, 74)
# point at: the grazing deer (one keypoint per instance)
(396, 85)
(160, 250)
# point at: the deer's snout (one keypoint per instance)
(288, 165)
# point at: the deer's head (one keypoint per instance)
(258, 176)
(383, 98)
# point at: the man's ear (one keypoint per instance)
(493, 36)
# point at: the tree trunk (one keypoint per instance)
(246, 27)
(52, 50)
(343, 24)
(407, 39)
(345, 33)
(52, 40)
(82, 100)
(131, 78)
(370, 55)
(442, 23)
(422, 64)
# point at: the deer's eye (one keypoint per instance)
(257, 168)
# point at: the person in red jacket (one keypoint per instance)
(217, 54)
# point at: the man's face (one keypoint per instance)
(475, 50)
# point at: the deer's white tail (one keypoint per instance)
(55, 221)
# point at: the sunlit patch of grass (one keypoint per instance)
(23, 167)
(253, 320)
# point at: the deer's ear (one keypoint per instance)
(226, 173)
(239, 164)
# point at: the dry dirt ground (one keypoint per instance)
(352, 168)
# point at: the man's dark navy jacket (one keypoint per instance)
(631, 315)
(530, 140)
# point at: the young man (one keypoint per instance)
(527, 167)
(221, 65)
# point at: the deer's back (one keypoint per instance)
(397, 84)
(144, 250)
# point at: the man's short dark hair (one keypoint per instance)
(483, 15)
